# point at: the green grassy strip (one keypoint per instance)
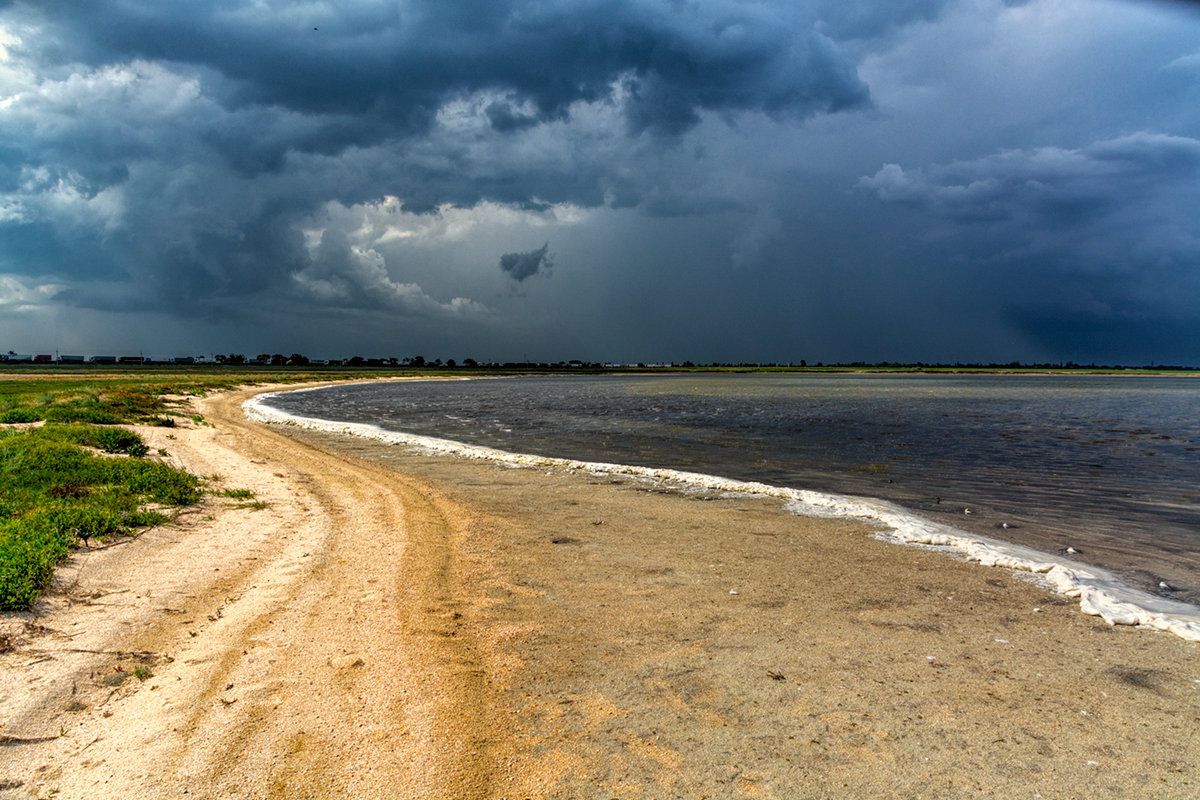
(31, 546)
(54, 493)
(108, 439)
(107, 397)
(57, 492)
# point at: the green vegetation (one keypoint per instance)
(108, 439)
(55, 493)
(79, 477)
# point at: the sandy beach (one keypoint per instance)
(385, 623)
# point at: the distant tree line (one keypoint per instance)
(420, 362)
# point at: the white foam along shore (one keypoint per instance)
(1099, 592)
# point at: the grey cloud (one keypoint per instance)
(388, 69)
(505, 118)
(343, 275)
(1044, 186)
(860, 20)
(1093, 244)
(180, 158)
(525, 265)
(213, 130)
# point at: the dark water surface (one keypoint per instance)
(1107, 465)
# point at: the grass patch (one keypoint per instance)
(55, 494)
(21, 414)
(110, 440)
(90, 411)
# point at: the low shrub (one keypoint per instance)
(30, 549)
(32, 459)
(157, 482)
(110, 440)
(133, 402)
(81, 411)
(53, 493)
(73, 520)
(21, 414)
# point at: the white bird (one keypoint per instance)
(1071, 551)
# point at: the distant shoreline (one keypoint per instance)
(16, 369)
(1099, 592)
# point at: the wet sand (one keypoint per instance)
(395, 624)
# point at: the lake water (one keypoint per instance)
(1109, 466)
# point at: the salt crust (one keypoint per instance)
(1099, 592)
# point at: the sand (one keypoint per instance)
(382, 623)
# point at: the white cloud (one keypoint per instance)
(384, 221)
(1185, 63)
(18, 294)
(342, 273)
(65, 199)
(7, 39)
(136, 92)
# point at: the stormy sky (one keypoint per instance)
(650, 180)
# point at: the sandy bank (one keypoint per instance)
(400, 625)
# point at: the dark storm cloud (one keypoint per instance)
(854, 20)
(1115, 204)
(525, 265)
(369, 159)
(181, 145)
(387, 69)
(1090, 250)
(505, 118)
(1048, 186)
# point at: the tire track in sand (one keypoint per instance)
(383, 690)
(339, 657)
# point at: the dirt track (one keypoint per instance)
(317, 651)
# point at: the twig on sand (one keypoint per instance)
(8, 741)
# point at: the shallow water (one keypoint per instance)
(1109, 466)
